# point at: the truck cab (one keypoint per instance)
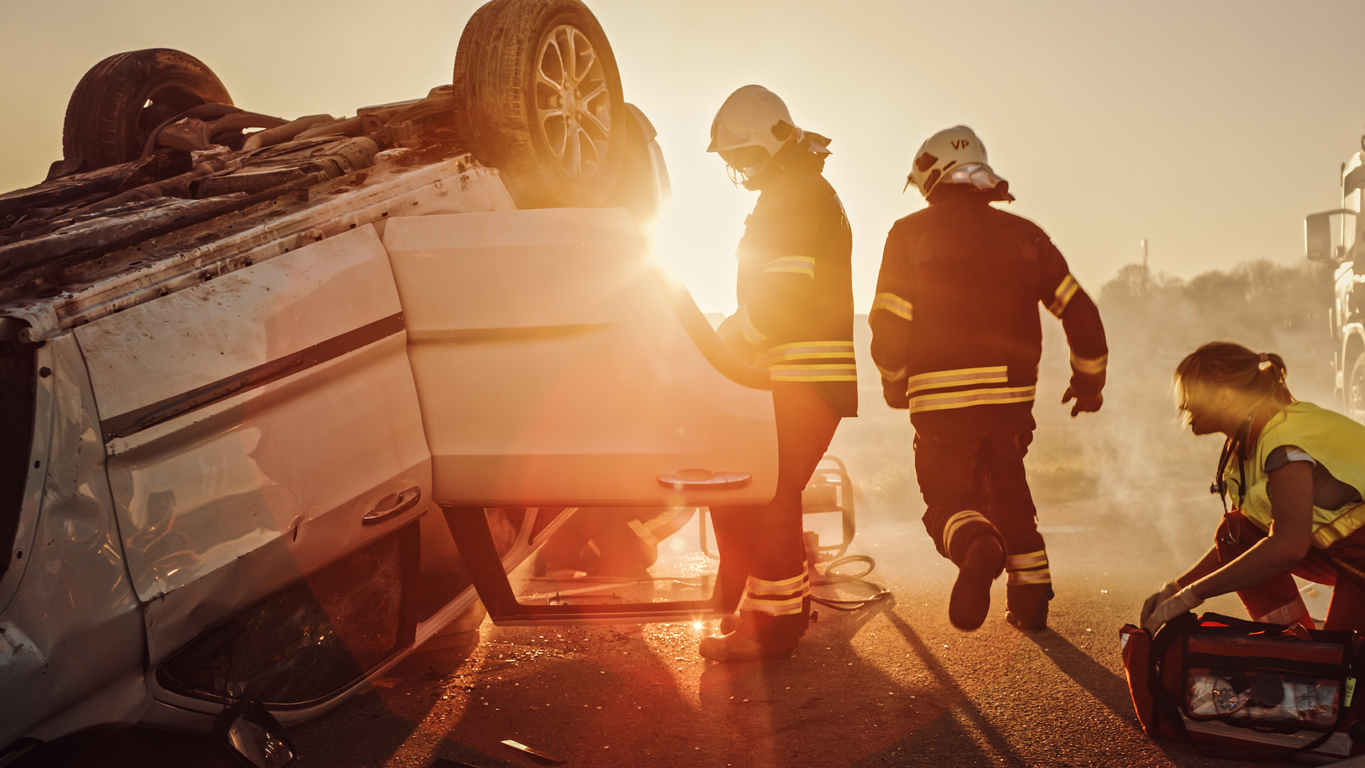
(1336, 238)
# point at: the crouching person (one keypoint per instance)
(957, 339)
(1294, 475)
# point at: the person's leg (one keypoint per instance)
(775, 607)
(952, 480)
(1275, 600)
(1029, 585)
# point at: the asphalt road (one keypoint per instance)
(890, 685)
(893, 684)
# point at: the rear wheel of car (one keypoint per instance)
(538, 97)
(1355, 389)
(121, 100)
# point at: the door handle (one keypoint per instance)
(704, 480)
(392, 506)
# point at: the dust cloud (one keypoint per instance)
(1134, 459)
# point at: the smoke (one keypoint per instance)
(1133, 464)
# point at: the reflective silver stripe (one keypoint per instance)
(957, 521)
(971, 397)
(1091, 365)
(762, 587)
(891, 375)
(838, 372)
(800, 265)
(961, 377)
(893, 304)
(1065, 291)
(1042, 576)
(751, 332)
(807, 350)
(1026, 560)
(1288, 613)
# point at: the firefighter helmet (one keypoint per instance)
(956, 153)
(750, 128)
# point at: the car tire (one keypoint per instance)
(121, 100)
(538, 96)
(1355, 389)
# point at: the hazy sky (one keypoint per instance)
(1210, 128)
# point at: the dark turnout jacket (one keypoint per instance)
(794, 287)
(955, 323)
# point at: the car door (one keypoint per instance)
(266, 460)
(555, 365)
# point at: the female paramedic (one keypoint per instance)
(1295, 475)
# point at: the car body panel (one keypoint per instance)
(551, 369)
(72, 628)
(238, 485)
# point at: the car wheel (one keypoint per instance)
(121, 100)
(539, 98)
(1355, 390)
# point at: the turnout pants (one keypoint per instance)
(975, 487)
(763, 568)
(1277, 600)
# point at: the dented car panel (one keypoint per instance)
(71, 625)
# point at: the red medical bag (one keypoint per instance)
(1237, 684)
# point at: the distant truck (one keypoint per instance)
(1337, 238)
(280, 399)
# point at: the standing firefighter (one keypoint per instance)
(795, 318)
(956, 337)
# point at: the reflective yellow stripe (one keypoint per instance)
(751, 332)
(1063, 295)
(1344, 525)
(1026, 560)
(961, 377)
(1042, 576)
(971, 397)
(1288, 613)
(806, 350)
(893, 304)
(1091, 365)
(891, 375)
(957, 521)
(838, 372)
(775, 607)
(757, 587)
(800, 265)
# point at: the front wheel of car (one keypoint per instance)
(538, 97)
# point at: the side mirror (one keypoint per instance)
(252, 736)
(1328, 236)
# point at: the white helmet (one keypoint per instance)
(750, 128)
(954, 156)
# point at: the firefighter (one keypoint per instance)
(957, 339)
(795, 318)
(1296, 476)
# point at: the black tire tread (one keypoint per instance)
(101, 123)
(496, 118)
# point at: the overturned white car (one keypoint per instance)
(277, 396)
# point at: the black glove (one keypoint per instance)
(895, 394)
(1085, 403)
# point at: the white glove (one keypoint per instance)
(1166, 592)
(1183, 601)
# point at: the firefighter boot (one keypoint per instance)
(1027, 605)
(1028, 590)
(980, 556)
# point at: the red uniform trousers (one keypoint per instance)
(1341, 566)
(762, 553)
